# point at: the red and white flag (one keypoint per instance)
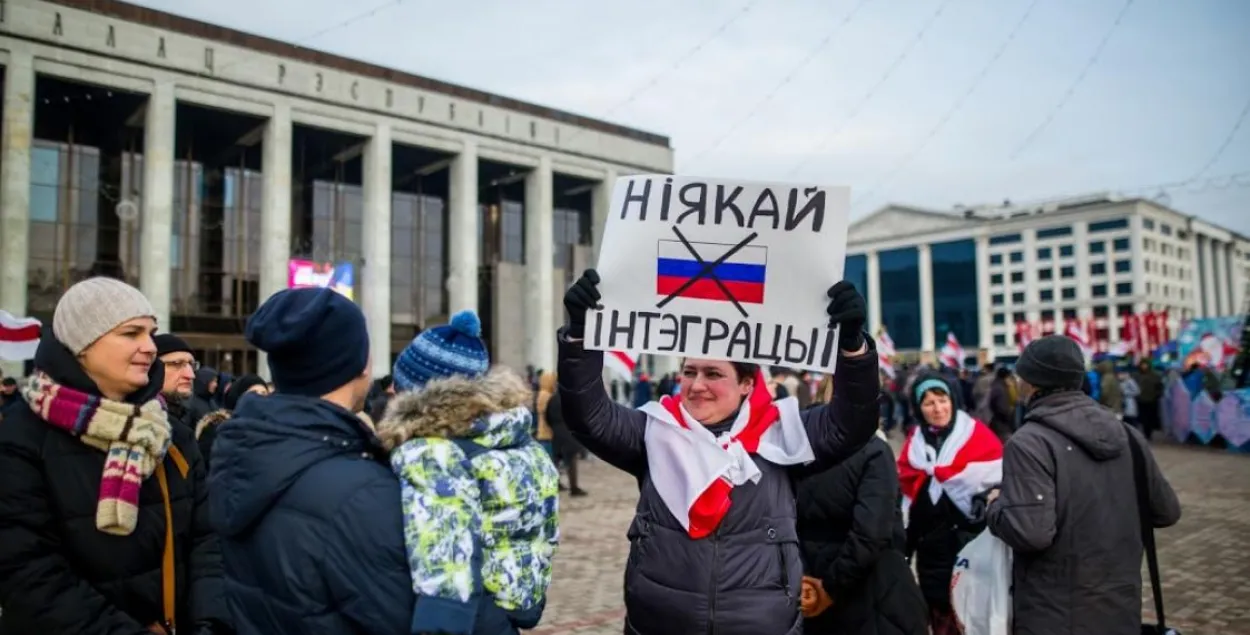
(623, 364)
(1024, 334)
(1077, 330)
(19, 337)
(970, 462)
(952, 355)
(885, 353)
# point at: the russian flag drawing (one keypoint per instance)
(742, 274)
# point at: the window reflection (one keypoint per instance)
(418, 258)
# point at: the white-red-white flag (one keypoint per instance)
(621, 363)
(952, 355)
(1077, 331)
(19, 337)
(885, 353)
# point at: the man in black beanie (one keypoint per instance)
(306, 505)
(1068, 503)
(180, 369)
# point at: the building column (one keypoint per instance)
(462, 220)
(1224, 262)
(600, 205)
(1138, 250)
(376, 246)
(19, 121)
(1239, 280)
(872, 271)
(985, 322)
(275, 219)
(540, 324)
(1209, 306)
(927, 340)
(156, 229)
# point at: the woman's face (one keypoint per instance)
(936, 408)
(711, 390)
(119, 362)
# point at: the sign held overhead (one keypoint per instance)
(721, 269)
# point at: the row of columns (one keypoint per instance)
(1220, 276)
(157, 209)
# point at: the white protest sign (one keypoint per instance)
(721, 269)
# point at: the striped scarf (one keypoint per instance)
(133, 437)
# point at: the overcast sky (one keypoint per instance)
(771, 90)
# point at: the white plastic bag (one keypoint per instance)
(981, 587)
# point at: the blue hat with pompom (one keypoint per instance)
(452, 349)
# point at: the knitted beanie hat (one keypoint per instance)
(453, 349)
(91, 308)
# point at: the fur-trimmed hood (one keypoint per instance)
(494, 406)
(211, 419)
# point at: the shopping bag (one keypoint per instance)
(981, 587)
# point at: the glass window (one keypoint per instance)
(1098, 269)
(1017, 276)
(1123, 266)
(1108, 225)
(996, 259)
(1147, 223)
(1005, 239)
(955, 299)
(855, 271)
(1098, 247)
(1069, 314)
(1098, 291)
(1053, 232)
(1069, 293)
(997, 299)
(1100, 311)
(1017, 317)
(1120, 244)
(1048, 314)
(1043, 253)
(1017, 298)
(900, 295)
(1046, 295)
(1066, 251)
(1000, 318)
(1000, 339)
(1067, 271)
(1124, 288)
(1017, 256)
(1045, 274)
(45, 183)
(996, 278)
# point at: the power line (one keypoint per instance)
(1228, 140)
(1063, 101)
(685, 57)
(820, 45)
(955, 107)
(889, 72)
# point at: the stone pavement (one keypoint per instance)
(1205, 559)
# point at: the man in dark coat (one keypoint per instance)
(180, 369)
(303, 495)
(1068, 504)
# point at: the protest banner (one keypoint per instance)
(721, 269)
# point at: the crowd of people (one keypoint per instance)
(140, 493)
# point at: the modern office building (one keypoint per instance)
(209, 167)
(976, 272)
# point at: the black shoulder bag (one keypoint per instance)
(1148, 536)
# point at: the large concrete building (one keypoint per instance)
(196, 161)
(976, 272)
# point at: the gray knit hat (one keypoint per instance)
(91, 308)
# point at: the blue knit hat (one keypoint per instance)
(453, 349)
(316, 340)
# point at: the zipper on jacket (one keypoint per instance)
(711, 623)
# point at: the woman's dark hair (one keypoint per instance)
(743, 370)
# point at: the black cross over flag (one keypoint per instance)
(683, 272)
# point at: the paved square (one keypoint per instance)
(1205, 561)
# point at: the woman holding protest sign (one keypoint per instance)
(713, 545)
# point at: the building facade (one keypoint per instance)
(978, 272)
(197, 162)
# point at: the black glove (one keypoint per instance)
(580, 298)
(848, 309)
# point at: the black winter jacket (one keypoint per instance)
(310, 519)
(745, 578)
(59, 575)
(851, 534)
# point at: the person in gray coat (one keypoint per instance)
(714, 546)
(1068, 504)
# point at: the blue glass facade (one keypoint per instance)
(955, 308)
(855, 271)
(900, 295)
